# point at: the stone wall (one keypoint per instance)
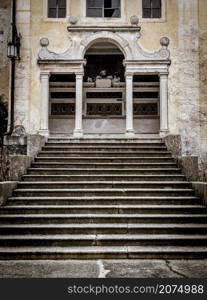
(5, 29)
(23, 70)
(20, 151)
(203, 83)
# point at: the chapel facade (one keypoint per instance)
(128, 68)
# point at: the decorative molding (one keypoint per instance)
(104, 28)
(126, 41)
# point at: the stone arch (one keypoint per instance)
(110, 37)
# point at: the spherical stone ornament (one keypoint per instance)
(164, 41)
(73, 20)
(44, 42)
(134, 20)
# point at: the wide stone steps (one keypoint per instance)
(100, 209)
(102, 218)
(101, 171)
(95, 198)
(101, 177)
(105, 200)
(93, 228)
(104, 192)
(104, 252)
(67, 240)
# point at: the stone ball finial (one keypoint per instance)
(134, 20)
(73, 20)
(44, 42)
(164, 41)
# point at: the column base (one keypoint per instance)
(78, 133)
(130, 133)
(164, 132)
(44, 132)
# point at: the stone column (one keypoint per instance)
(78, 131)
(44, 108)
(129, 105)
(163, 104)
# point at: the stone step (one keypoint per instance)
(107, 141)
(103, 200)
(103, 209)
(101, 177)
(103, 252)
(93, 228)
(98, 154)
(106, 165)
(102, 218)
(97, 160)
(104, 184)
(103, 192)
(68, 240)
(98, 171)
(105, 148)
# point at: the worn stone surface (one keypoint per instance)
(201, 190)
(104, 269)
(21, 150)
(173, 143)
(34, 144)
(6, 189)
(189, 165)
(18, 165)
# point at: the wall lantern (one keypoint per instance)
(13, 47)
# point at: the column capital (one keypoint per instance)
(79, 75)
(44, 74)
(129, 75)
(163, 74)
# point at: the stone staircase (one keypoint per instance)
(103, 198)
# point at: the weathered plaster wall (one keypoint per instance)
(186, 91)
(23, 70)
(5, 15)
(203, 82)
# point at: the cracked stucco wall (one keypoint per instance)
(5, 15)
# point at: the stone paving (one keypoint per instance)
(104, 269)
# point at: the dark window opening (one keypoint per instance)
(62, 95)
(152, 9)
(62, 78)
(143, 95)
(104, 95)
(146, 78)
(111, 63)
(104, 8)
(56, 8)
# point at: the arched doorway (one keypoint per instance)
(104, 90)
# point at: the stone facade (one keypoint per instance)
(183, 22)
